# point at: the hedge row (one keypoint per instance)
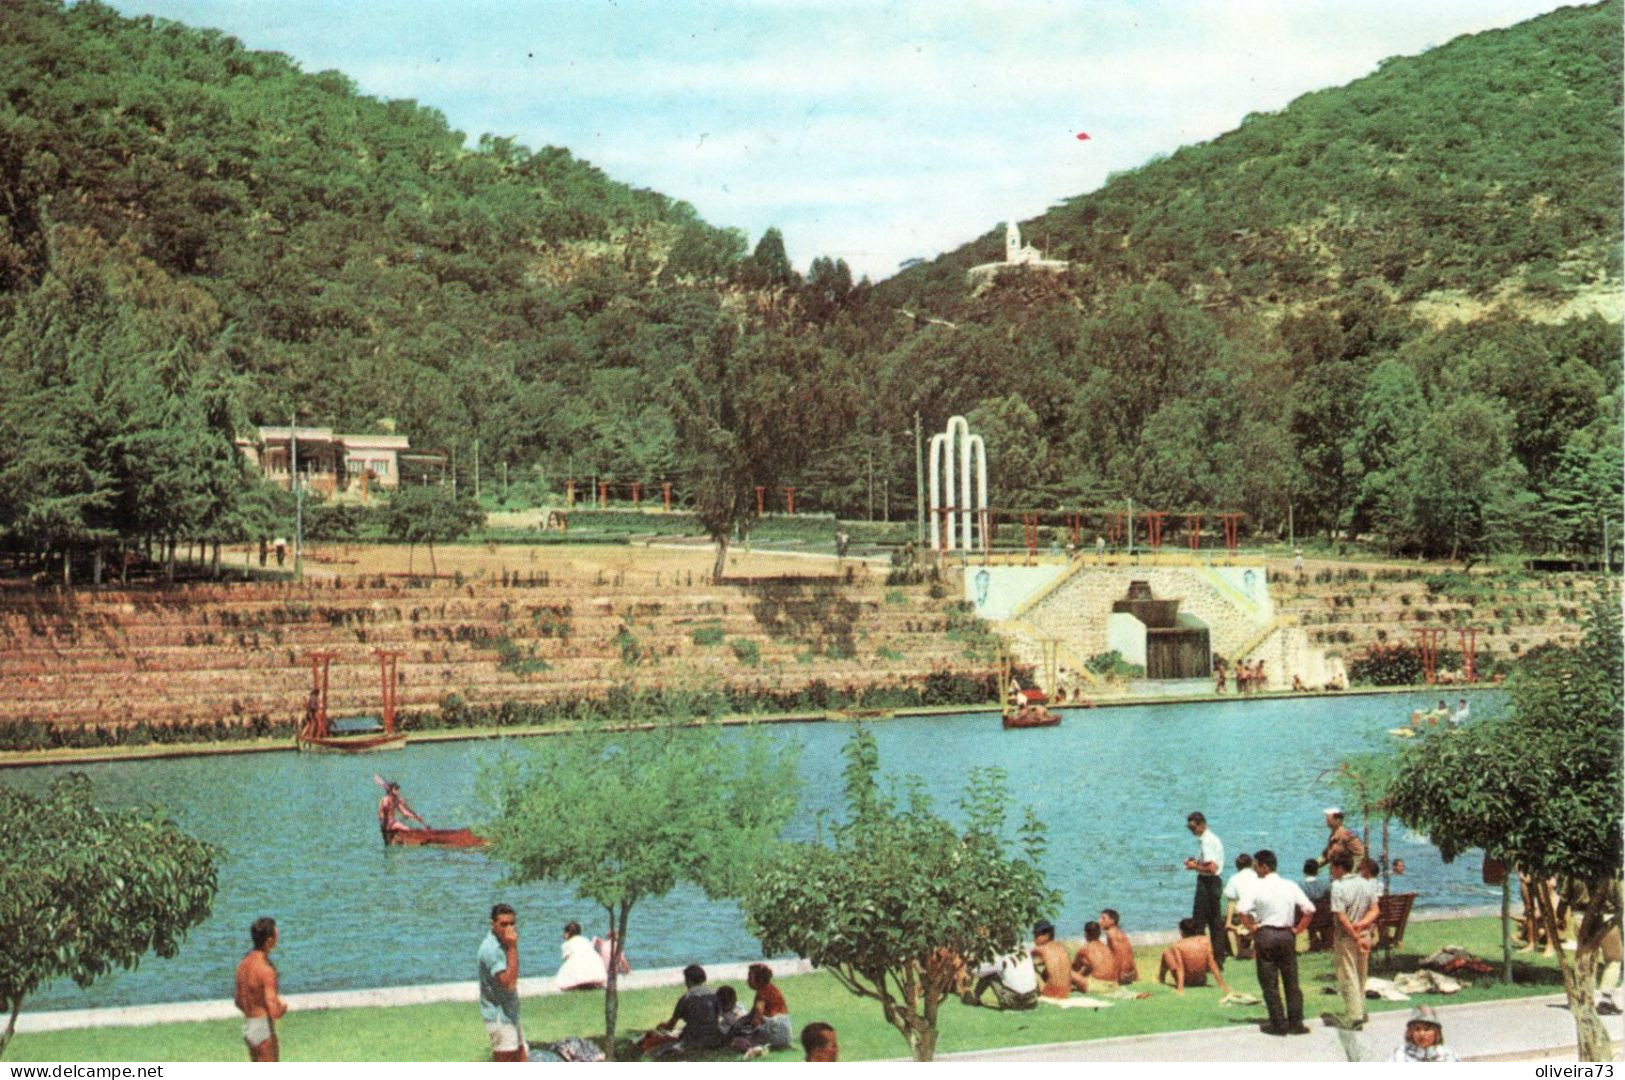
(622, 703)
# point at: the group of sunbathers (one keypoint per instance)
(1103, 965)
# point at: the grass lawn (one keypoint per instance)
(452, 1032)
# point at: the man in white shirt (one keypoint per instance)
(1239, 882)
(1278, 912)
(1013, 978)
(1208, 906)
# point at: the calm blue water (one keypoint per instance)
(1113, 786)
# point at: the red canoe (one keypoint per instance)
(434, 838)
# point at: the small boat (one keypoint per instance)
(321, 734)
(861, 714)
(458, 838)
(1030, 716)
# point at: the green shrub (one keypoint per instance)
(1111, 665)
(627, 643)
(746, 651)
(710, 634)
(1387, 665)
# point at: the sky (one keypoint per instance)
(875, 131)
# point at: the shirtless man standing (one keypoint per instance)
(256, 993)
(1095, 961)
(1052, 957)
(1190, 959)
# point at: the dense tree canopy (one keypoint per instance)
(85, 890)
(1541, 788)
(1362, 313)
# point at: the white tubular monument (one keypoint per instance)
(954, 489)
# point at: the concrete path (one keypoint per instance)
(181, 1012)
(1527, 1028)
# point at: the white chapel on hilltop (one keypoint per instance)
(1016, 254)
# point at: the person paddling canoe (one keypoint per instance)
(392, 808)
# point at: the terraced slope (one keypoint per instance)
(234, 654)
(1348, 609)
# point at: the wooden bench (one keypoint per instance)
(1393, 912)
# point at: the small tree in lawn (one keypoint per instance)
(627, 815)
(1541, 788)
(902, 894)
(84, 890)
(427, 514)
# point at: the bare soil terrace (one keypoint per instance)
(498, 625)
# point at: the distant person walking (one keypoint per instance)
(499, 985)
(256, 995)
(1207, 907)
(1278, 912)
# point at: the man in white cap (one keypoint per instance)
(1342, 839)
(1424, 1039)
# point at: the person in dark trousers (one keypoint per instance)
(1208, 906)
(1278, 911)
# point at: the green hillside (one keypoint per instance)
(1366, 315)
(1489, 166)
(1391, 309)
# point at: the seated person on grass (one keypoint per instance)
(1013, 979)
(1094, 961)
(768, 1022)
(1190, 959)
(729, 1011)
(1315, 887)
(698, 1010)
(1122, 950)
(1052, 959)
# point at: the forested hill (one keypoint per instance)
(356, 258)
(195, 237)
(1485, 169)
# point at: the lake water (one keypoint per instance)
(1113, 785)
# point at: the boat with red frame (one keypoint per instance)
(1024, 702)
(320, 734)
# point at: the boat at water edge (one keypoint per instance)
(452, 838)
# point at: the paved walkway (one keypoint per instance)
(181, 1012)
(1523, 1029)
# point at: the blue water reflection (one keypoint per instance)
(1113, 785)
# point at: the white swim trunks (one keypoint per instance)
(504, 1037)
(256, 1029)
